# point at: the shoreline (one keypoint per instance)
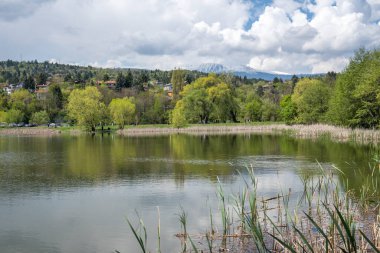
(315, 131)
(297, 131)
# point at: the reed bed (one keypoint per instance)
(300, 131)
(326, 218)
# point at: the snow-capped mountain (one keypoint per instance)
(243, 71)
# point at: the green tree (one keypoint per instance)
(54, 102)
(253, 110)
(122, 111)
(195, 99)
(129, 79)
(29, 83)
(41, 78)
(120, 81)
(3, 116)
(4, 98)
(311, 97)
(288, 109)
(86, 108)
(14, 116)
(177, 116)
(225, 106)
(269, 111)
(356, 100)
(106, 77)
(23, 101)
(39, 118)
(178, 82)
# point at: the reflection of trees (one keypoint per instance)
(74, 160)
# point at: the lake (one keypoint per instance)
(73, 193)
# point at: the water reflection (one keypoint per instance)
(72, 193)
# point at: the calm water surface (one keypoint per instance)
(72, 194)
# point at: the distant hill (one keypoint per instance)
(244, 71)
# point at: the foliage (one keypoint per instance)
(14, 116)
(86, 108)
(54, 102)
(288, 109)
(270, 111)
(253, 110)
(311, 98)
(178, 82)
(208, 98)
(39, 118)
(177, 116)
(122, 111)
(23, 101)
(3, 116)
(356, 99)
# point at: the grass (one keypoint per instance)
(326, 218)
(315, 131)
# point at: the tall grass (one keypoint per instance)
(326, 218)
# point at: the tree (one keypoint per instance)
(122, 111)
(54, 102)
(195, 100)
(106, 77)
(269, 111)
(29, 83)
(288, 109)
(311, 99)
(178, 82)
(253, 110)
(225, 106)
(86, 108)
(41, 78)
(129, 79)
(120, 81)
(23, 101)
(4, 100)
(14, 116)
(356, 100)
(177, 116)
(209, 98)
(39, 118)
(3, 116)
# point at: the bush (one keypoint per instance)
(40, 118)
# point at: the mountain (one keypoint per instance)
(244, 71)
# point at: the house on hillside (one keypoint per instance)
(109, 84)
(168, 87)
(41, 94)
(13, 87)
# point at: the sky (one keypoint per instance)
(289, 36)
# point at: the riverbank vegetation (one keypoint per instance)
(91, 97)
(325, 217)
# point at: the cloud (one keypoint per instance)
(14, 9)
(281, 35)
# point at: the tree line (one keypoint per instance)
(350, 98)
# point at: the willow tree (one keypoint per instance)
(208, 99)
(122, 111)
(86, 109)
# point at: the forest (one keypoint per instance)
(92, 97)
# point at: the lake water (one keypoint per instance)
(73, 193)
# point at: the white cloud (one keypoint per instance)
(169, 33)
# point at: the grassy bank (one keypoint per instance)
(299, 131)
